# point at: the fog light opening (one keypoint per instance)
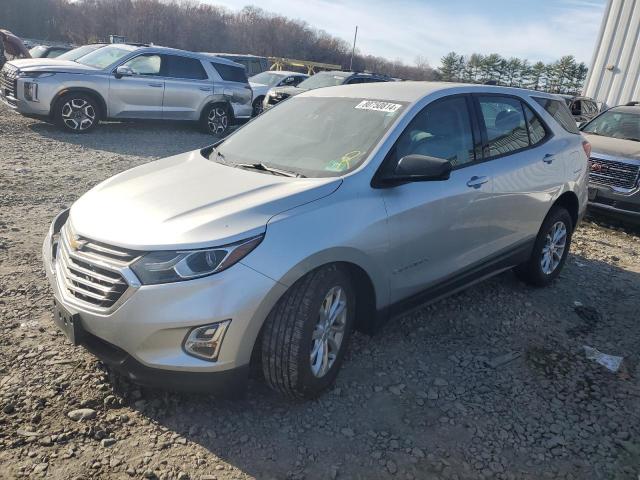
(204, 342)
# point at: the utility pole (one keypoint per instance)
(353, 51)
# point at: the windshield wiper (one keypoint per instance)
(633, 139)
(265, 168)
(220, 156)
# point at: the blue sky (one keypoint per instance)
(533, 29)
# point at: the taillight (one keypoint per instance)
(587, 148)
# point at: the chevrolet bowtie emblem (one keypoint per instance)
(76, 244)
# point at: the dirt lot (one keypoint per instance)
(424, 399)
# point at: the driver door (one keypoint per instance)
(140, 94)
(438, 229)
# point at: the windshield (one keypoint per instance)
(103, 57)
(616, 124)
(78, 52)
(309, 136)
(267, 78)
(37, 52)
(323, 79)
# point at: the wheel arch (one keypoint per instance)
(88, 91)
(569, 201)
(367, 317)
(218, 101)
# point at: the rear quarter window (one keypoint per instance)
(231, 73)
(560, 113)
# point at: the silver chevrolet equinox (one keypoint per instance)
(119, 82)
(335, 211)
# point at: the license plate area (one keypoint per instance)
(68, 322)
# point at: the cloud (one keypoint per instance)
(536, 30)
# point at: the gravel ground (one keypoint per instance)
(490, 383)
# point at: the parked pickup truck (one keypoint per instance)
(126, 81)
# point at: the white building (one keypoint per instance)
(614, 76)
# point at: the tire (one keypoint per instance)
(293, 331)
(257, 106)
(77, 112)
(541, 269)
(216, 119)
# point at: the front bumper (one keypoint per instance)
(37, 109)
(143, 336)
(621, 205)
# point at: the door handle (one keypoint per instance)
(477, 182)
(205, 89)
(157, 85)
(548, 158)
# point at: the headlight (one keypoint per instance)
(172, 266)
(31, 91)
(35, 74)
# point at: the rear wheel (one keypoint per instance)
(216, 119)
(550, 249)
(76, 113)
(307, 333)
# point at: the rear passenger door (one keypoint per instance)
(526, 164)
(437, 229)
(186, 87)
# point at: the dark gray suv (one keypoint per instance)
(321, 80)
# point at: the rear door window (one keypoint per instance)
(183, 67)
(560, 113)
(505, 124)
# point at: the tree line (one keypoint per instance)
(191, 25)
(563, 76)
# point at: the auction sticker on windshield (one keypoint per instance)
(378, 106)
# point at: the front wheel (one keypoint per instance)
(550, 249)
(76, 113)
(257, 106)
(216, 120)
(306, 334)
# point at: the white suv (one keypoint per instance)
(337, 210)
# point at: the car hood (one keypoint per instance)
(51, 65)
(288, 91)
(259, 88)
(615, 147)
(188, 201)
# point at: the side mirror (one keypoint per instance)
(123, 71)
(419, 168)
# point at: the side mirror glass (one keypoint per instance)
(123, 71)
(419, 168)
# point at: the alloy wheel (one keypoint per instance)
(553, 250)
(329, 331)
(78, 114)
(218, 120)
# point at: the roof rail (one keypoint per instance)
(632, 104)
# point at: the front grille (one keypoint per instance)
(9, 82)
(613, 173)
(90, 270)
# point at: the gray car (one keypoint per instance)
(123, 81)
(337, 210)
(614, 177)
